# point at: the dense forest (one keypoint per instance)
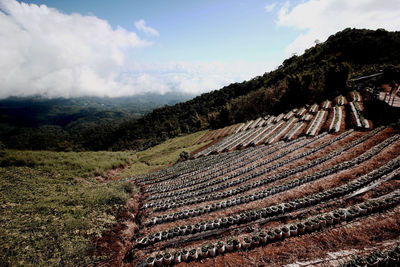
(321, 72)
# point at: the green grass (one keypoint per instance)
(50, 208)
(164, 154)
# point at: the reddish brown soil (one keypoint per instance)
(304, 190)
(115, 243)
(369, 231)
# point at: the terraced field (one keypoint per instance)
(328, 116)
(309, 193)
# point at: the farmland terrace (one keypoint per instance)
(316, 185)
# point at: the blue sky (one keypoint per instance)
(203, 30)
(117, 48)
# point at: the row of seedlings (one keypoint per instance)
(356, 117)
(246, 127)
(223, 167)
(355, 96)
(289, 115)
(306, 117)
(278, 134)
(166, 204)
(245, 141)
(389, 169)
(341, 100)
(279, 117)
(301, 112)
(312, 224)
(313, 109)
(262, 138)
(265, 161)
(189, 197)
(255, 137)
(270, 120)
(240, 128)
(387, 257)
(220, 144)
(172, 171)
(186, 168)
(276, 189)
(294, 131)
(336, 120)
(255, 123)
(326, 104)
(316, 123)
(233, 145)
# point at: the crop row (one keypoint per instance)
(326, 104)
(284, 128)
(275, 189)
(388, 257)
(355, 96)
(315, 124)
(219, 170)
(301, 112)
(278, 233)
(214, 170)
(341, 100)
(270, 211)
(313, 109)
(181, 195)
(293, 131)
(337, 119)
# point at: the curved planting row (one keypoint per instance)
(313, 109)
(191, 168)
(261, 138)
(279, 117)
(355, 96)
(181, 195)
(340, 100)
(337, 119)
(178, 169)
(294, 131)
(326, 104)
(387, 257)
(276, 189)
(301, 112)
(249, 141)
(306, 117)
(277, 135)
(390, 169)
(278, 233)
(289, 115)
(316, 123)
(219, 170)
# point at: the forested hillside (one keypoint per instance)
(320, 73)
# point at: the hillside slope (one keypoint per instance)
(320, 73)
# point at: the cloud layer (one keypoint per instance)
(46, 52)
(321, 18)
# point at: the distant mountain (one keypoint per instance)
(320, 73)
(25, 118)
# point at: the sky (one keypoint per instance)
(73, 48)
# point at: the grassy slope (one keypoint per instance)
(164, 154)
(51, 208)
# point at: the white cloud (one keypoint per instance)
(195, 78)
(321, 18)
(270, 7)
(46, 52)
(141, 26)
